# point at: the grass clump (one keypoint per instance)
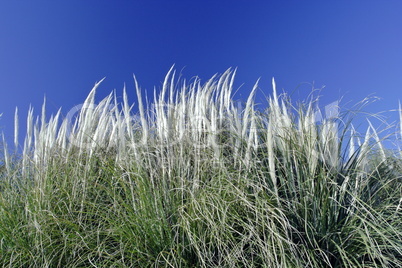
(194, 180)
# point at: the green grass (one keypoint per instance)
(196, 181)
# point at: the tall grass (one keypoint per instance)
(195, 180)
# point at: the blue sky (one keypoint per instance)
(61, 48)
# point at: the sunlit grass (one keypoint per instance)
(196, 180)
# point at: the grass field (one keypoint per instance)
(195, 180)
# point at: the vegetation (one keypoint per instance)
(194, 180)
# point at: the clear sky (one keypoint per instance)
(61, 48)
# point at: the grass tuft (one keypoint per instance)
(195, 180)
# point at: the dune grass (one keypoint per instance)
(195, 180)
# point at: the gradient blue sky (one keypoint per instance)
(61, 48)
